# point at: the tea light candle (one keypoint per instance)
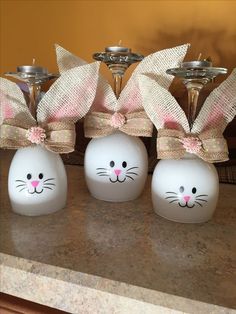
(197, 64)
(117, 49)
(32, 69)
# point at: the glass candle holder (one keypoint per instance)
(116, 165)
(186, 190)
(37, 181)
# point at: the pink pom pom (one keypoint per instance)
(117, 120)
(36, 135)
(191, 144)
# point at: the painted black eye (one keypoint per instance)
(29, 176)
(124, 164)
(112, 163)
(194, 190)
(40, 176)
(181, 189)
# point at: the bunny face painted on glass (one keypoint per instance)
(116, 160)
(185, 184)
(37, 182)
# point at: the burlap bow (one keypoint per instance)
(67, 100)
(58, 137)
(209, 145)
(99, 124)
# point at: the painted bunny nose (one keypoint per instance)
(187, 198)
(34, 183)
(117, 171)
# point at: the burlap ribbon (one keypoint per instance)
(58, 137)
(209, 145)
(98, 124)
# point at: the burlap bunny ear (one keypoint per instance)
(66, 60)
(15, 117)
(161, 107)
(13, 104)
(154, 66)
(108, 113)
(219, 108)
(105, 98)
(130, 99)
(68, 100)
(71, 96)
(174, 136)
(126, 113)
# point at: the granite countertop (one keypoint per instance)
(101, 257)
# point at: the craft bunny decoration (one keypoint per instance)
(185, 185)
(116, 160)
(37, 182)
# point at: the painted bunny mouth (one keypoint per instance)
(35, 191)
(186, 205)
(117, 180)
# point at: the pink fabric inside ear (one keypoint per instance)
(170, 122)
(7, 111)
(216, 116)
(105, 99)
(131, 99)
(71, 108)
(100, 104)
(214, 119)
(219, 107)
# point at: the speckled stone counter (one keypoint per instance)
(100, 257)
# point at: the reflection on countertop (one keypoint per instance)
(122, 253)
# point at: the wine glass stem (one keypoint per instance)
(34, 91)
(194, 87)
(117, 84)
(118, 71)
(193, 95)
